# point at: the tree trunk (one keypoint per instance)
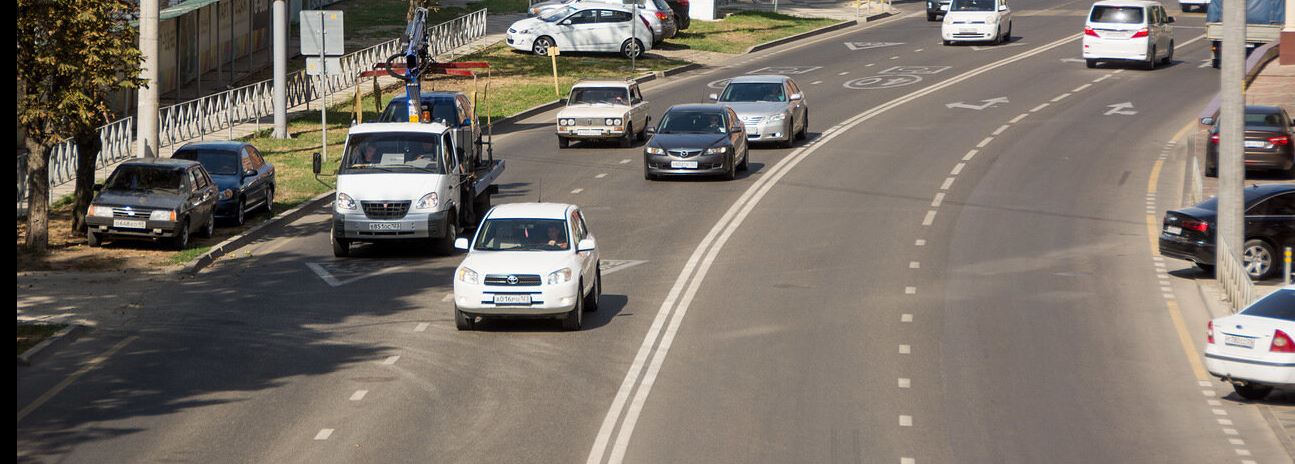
(88, 146)
(37, 196)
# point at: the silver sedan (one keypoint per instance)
(772, 108)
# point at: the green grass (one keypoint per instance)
(739, 31)
(31, 334)
(189, 254)
(385, 19)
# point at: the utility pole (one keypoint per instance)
(146, 109)
(280, 69)
(1231, 130)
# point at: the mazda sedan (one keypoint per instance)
(698, 139)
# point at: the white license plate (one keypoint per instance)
(512, 299)
(967, 31)
(1174, 230)
(129, 224)
(944, 7)
(1242, 342)
(1256, 144)
(683, 165)
(384, 226)
(753, 129)
(589, 132)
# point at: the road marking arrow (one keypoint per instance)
(1205, 63)
(984, 104)
(867, 45)
(609, 266)
(1125, 109)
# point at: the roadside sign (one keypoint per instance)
(321, 33)
(332, 65)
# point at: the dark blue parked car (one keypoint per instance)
(243, 178)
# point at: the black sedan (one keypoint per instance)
(698, 139)
(1269, 131)
(243, 178)
(154, 199)
(1188, 233)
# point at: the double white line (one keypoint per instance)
(623, 414)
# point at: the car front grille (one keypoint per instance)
(513, 280)
(752, 120)
(385, 209)
(683, 153)
(132, 213)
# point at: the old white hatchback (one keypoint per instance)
(604, 110)
(528, 260)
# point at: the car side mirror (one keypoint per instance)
(98, 187)
(1169, 20)
(586, 245)
(249, 173)
(649, 130)
(1002, 7)
(712, 97)
(316, 163)
(565, 23)
(796, 96)
(1209, 121)
(467, 122)
(461, 243)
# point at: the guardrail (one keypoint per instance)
(211, 114)
(1230, 271)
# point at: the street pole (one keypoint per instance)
(146, 111)
(323, 85)
(1231, 130)
(280, 69)
(634, 35)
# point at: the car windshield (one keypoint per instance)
(523, 235)
(1277, 305)
(972, 5)
(1116, 14)
(692, 122)
(396, 151)
(557, 14)
(141, 178)
(600, 95)
(753, 92)
(441, 110)
(217, 162)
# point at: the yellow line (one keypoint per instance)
(72, 378)
(1184, 339)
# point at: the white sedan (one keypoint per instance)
(583, 27)
(1254, 349)
(977, 21)
(528, 260)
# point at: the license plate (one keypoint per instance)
(944, 7)
(683, 165)
(129, 224)
(1174, 230)
(1256, 144)
(1242, 342)
(589, 132)
(753, 129)
(384, 226)
(967, 31)
(512, 299)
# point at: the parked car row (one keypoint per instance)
(589, 26)
(1190, 233)
(1269, 136)
(1254, 349)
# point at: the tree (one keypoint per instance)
(72, 54)
(431, 5)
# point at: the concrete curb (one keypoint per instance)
(555, 104)
(821, 30)
(69, 334)
(248, 236)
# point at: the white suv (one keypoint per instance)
(977, 21)
(528, 260)
(1129, 30)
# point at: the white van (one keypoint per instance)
(1129, 30)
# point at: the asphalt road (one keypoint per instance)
(844, 301)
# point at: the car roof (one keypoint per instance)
(716, 107)
(1263, 109)
(379, 127)
(530, 211)
(230, 145)
(161, 163)
(1141, 3)
(1258, 191)
(602, 83)
(760, 78)
(581, 6)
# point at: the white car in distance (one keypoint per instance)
(977, 21)
(583, 27)
(1128, 30)
(528, 260)
(1254, 349)
(604, 110)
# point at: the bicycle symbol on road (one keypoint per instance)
(882, 82)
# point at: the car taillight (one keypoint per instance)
(1140, 33)
(1199, 226)
(683, 2)
(1280, 140)
(661, 16)
(1214, 138)
(1088, 31)
(1209, 333)
(1281, 343)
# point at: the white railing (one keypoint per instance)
(209, 115)
(1231, 274)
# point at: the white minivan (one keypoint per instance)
(977, 21)
(1129, 30)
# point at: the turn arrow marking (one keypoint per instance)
(867, 45)
(984, 104)
(1125, 109)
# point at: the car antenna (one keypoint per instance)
(539, 191)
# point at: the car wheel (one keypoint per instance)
(1206, 268)
(731, 173)
(541, 45)
(791, 136)
(181, 239)
(948, 42)
(627, 141)
(1251, 391)
(632, 48)
(1169, 57)
(647, 173)
(804, 127)
(563, 142)
(1258, 258)
(745, 164)
(1090, 63)
(93, 239)
(930, 16)
(209, 230)
(341, 246)
(575, 317)
(463, 321)
(1150, 64)
(240, 216)
(591, 300)
(1211, 171)
(445, 245)
(269, 201)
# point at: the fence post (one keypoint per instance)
(1286, 279)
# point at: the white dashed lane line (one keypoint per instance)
(970, 154)
(929, 219)
(919, 242)
(984, 142)
(422, 326)
(905, 383)
(905, 421)
(935, 203)
(1060, 97)
(1000, 129)
(1019, 117)
(947, 183)
(957, 169)
(324, 434)
(905, 318)
(914, 265)
(1038, 108)
(905, 349)
(390, 360)
(359, 395)
(577, 191)
(1082, 87)
(910, 290)
(625, 161)
(600, 175)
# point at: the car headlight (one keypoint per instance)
(612, 121)
(654, 150)
(777, 117)
(345, 202)
(161, 215)
(567, 122)
(716, 150)
(227, 194)
(428, 201)
(100, 211)
(559, 276)
(468, 276)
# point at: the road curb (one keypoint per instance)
(69, 334)
(555, 104)
(250, 235)
(811, 33)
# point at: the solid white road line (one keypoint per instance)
(324, 434)
(390, 360)
(422, 326)
(646, 365)
(89, 365)
(359, 395)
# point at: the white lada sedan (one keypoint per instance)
(528, 260)
(1254, 349)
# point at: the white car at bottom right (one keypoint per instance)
(1254, 349)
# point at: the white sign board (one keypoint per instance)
(333, 68)
(321, 33)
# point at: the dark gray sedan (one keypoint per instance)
(153, 199)
(697, 139)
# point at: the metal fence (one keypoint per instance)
(209, 115)
(1231, 274)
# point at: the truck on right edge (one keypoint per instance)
(1264, 20)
